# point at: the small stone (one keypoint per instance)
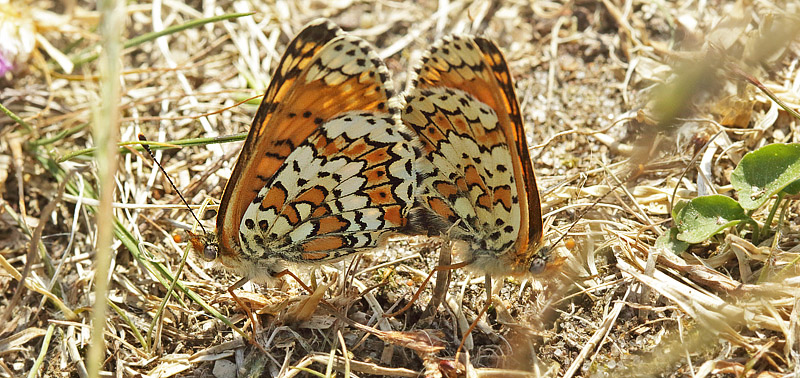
(224, 369)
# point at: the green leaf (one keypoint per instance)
(704, 217)
(765, 172)
(792, 188)
(677, 208)
(669, 242)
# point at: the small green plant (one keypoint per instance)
(771, 170)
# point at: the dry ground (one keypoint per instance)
(587, 75)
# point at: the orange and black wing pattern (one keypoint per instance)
(476, 171)
(323, 73)
(327, 168)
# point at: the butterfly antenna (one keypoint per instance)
(153, 156)
(613, 189)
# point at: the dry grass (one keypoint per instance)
(587, 76)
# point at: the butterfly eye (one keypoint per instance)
(210, 252)
(539, 261)
(537, 265)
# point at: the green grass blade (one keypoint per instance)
(28, 128)
(85, 58)
(137, 145)
(43, 352)
(129, 322)
(157, 270)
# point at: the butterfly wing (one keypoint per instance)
(361, 191)
(322, 73)
(466, 169)
(465, 110)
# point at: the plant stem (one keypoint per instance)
(105, 127)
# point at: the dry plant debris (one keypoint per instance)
(635, 91)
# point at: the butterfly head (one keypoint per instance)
(538, 262)
(211, 249)
(205, 245)
(543, 261)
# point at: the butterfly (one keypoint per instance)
(327, 167)
(475, 178)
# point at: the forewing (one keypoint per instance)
(322, 74)
(476, 66)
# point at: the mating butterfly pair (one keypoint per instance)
(333, 165)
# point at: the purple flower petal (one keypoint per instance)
(5, 64)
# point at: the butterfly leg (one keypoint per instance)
(480, 314)
(247, 310)
(304, 309)
(442, 280)
(438, 268)
(287, 272)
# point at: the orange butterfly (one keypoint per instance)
(475, 178)
(327, 168)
